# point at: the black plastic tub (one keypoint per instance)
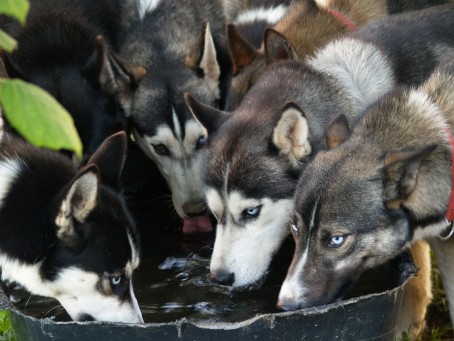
(171, 286)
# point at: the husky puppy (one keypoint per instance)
(256, 152)
(64, 48)
(66, 233)
(181, 45)
(395, 167)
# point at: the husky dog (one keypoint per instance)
(307, 26)
(64, 49)
(395, 167)
(66, 233)
(256, 152)
(181, 45)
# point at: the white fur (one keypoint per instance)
(2, 125)
(74, 288)
(247, 250)
(182, 168)
(146, 6)
(214, 202)
(292, 290)
(428, 109)
(362, 70)
(270, 15)
(9, 170)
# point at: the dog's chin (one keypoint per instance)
(258, 284)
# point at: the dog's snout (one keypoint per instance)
(222, 277)
(288, 304)
(86, 318)
(194, 209)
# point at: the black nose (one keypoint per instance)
(86, 318)
(223, 278)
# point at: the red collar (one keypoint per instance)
(450, 211)
(342, 18)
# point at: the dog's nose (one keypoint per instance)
(194, 209)
(287, 304)
(223, 278)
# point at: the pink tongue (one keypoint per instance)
(200, 224)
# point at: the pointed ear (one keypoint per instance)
(110, 158)
(208, 117)
(114, 74)
(204, 59)
(277, 47)
(78, 202)
(291, 134)
(242, 53)
(337, 131)
(401, 174)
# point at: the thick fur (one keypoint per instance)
(181, 43)
(64, 48)
(255, 157)
(255, 153)
(395, 168)
(307, 26)
(66, 233)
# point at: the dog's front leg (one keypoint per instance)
(444, 251)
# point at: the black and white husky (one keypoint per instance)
(65, 232)
(256, 152)
(181, 43)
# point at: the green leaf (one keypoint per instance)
(38, 117)
(15, 8)
(6, 330)
(6, 42)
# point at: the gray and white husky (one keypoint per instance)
(393, 182)
(65, 232)
(181, 43)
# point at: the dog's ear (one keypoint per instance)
(203, 59)
(277, 47)
(337, 131)
(208, 117)
(114, 75)
(241, 51)
(401, 169)
(291, 134)
(110, 158)
(78, 202)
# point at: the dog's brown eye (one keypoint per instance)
(160, 149)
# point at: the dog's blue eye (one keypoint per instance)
(336, 241)
(252, 212)
(115, 280)
(160, 149)
(201, 141)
